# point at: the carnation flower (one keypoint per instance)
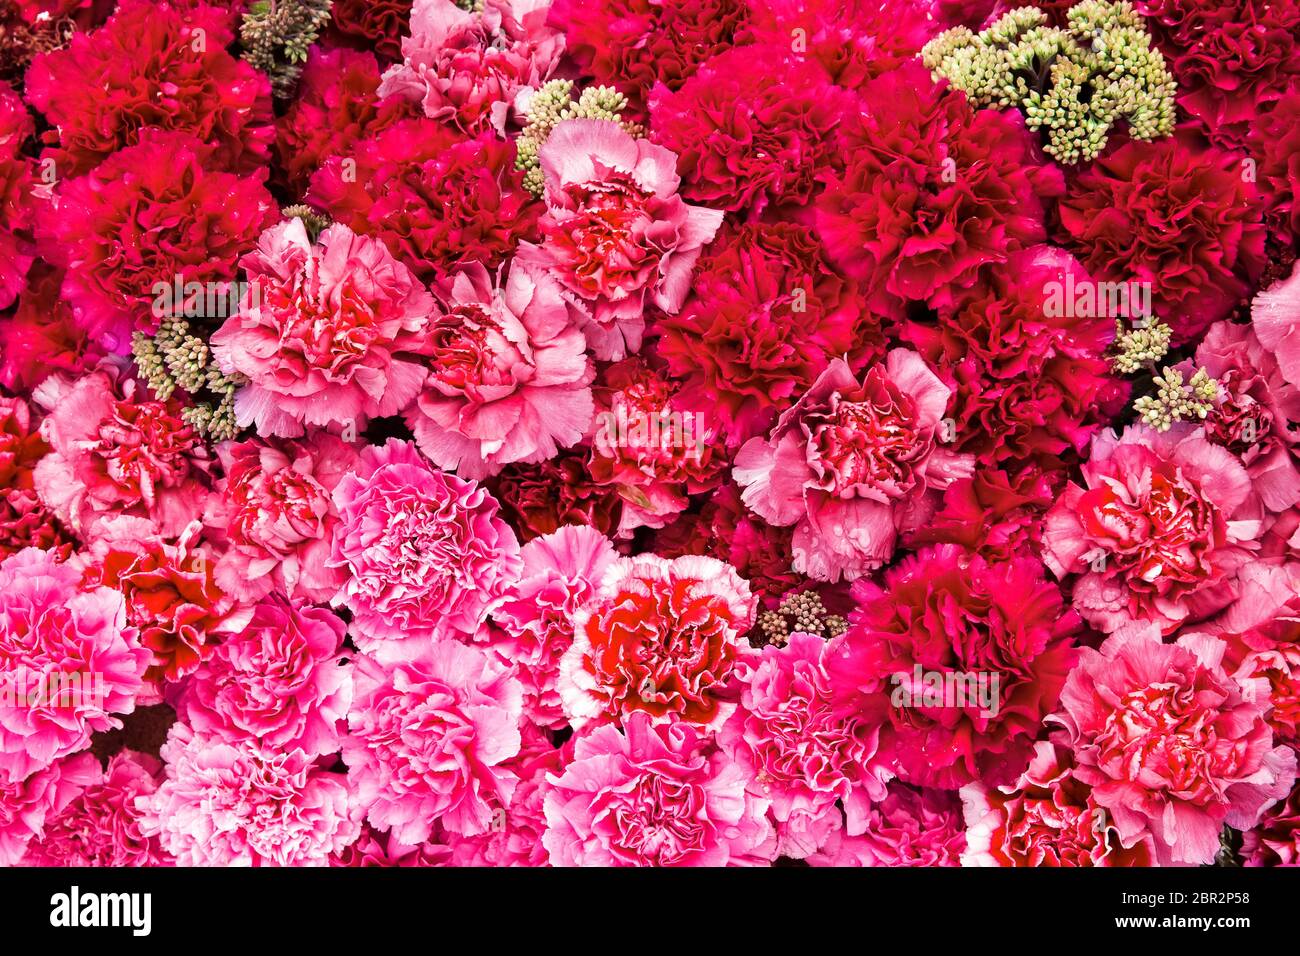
(1275, 145)
(27, 802)
(853, 463)
(1157, 532)
(101, 825)
(24, 521)
(68, 662)
(661, 637)
(280, 681)
(329, 333)
(428, 738)
(466, 67)
(17, 203)
(746, 142)
(152, 66)
(1276, 839)
(41, 336)
(426, 552)
(1027, 367)
(171, 597)
(656, 795)
(561, 572)
(653, 453)
(509, 375)
(374, 848)
(275, 517)
(766, 315)
(1046, 818)
(960, 659)
(117, 451)
(796, 751)
(1275, 318)
(337, 104)
(1170, 744)
(1183, 219)
(151, 214)
(437, 200)
(242, 804)
(633, 44)
(1228, 58)
(1253, 415)
(991, 512)
(377, 25)
(909, 827)
(931, 189)
(539, 499)
(617, 237)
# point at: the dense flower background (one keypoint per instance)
(644, 433)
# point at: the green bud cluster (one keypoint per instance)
(276, 35)
(1074, 83)
(552, 104)
(1175, 401)
(172, 358)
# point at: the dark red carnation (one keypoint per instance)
(537, 499)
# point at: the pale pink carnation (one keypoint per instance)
(274, 515)
(68, 662)
(117, 450)
(28, 802)
(427, 553)
(852, 464)
(1159, 530)
(466, 68)
(617, 235)
(428, 740)
(796, 751)
(1275, 316)
(509, 376)
(101, 826)
(226, 804)
(1171, 744)
(279, 681)
(561, 572)
(663, 795)
(326, 333)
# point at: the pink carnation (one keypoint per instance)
(242, 804)
(68, 662)
(327, 334)
(1275, 317)
(561, 572)
(852, 464)
(661, 637)
(275, 517)
(796, 751)
(909, 827)
(1170, 744)
(17, 203)
(509, 378)
(662, 795)
(116, 450)
(427, 553)
(465, 68)
(1158, 531)
(1276, 840)
(428, 740)
(101, 826)
(616, 234)
(280, 681)
(28, 802)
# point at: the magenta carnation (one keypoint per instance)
(18, 205)
(242, 804)
(329, 333)
(509, 375)
(26, 803)
(68, 662)
(617, 237)
(852, 464)
(427, 740)
(661, 795)
(909, 827)
(1170, 744)
(426, 553)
